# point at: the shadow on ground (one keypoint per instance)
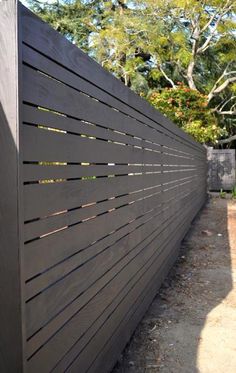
(191, 324)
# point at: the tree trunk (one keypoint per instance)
(190, 75)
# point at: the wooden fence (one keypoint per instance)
(97, 191)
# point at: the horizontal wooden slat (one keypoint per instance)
(43, 145)
(50, 360)
(40, 62)
(50, 328)
(118, 339)
(38, 319)
(34, 115)
(88, 276)
(62, 317)
(52, 223)
(64, 148)
(129, 322)
(42, 37)
(112, 322)
(92, 307)
(49, 224)
(40, 172)
(39, 283)
(38, 89)
(108, 188)
(60, 196)
(43, 253)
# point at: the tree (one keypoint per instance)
(76, 19)
(153, 44)
(187, 108)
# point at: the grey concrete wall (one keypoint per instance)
(221, 169)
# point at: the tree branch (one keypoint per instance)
(167, 78)
(216, 90)
(209, 22)
(222, 105)
(221, 88)
(197, 33)
(195, 36)
(229, 112)
(226, 141)
(206, 44)
(230, 72)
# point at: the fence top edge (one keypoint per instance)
(109, 81)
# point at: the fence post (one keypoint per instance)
(11, 345)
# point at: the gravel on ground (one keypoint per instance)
(191, 325)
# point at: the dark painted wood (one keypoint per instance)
(41, 282)
(40, 62)
(149, 228)
(41, 172)
(11, 317)
(33, 115)
(60, 196)
(119, 273)
(49, 224)
(46, 252)
(82, 360)
(99, 189)
(60, 147)
(43, 38)
(92, 266)
(49, 146)
(153, 264)
(48, 93)
(40, 227)
(101, 302)
(149, 137)
(130, 320)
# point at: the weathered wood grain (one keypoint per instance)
(11, 317)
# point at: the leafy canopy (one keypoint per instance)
(153, 44)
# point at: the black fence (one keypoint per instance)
(97, 191)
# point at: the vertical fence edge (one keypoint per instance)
(11, 353)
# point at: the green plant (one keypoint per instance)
(188, 109)
(153, 44)
(222, 193)
(234, 192)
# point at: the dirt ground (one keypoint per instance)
(191, 325)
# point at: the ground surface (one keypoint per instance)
(191, 324)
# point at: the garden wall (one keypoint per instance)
(221, 169)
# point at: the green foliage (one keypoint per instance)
(188, 109)
(74, 19)
(234, 192)
(151, 44)
(222, 193)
